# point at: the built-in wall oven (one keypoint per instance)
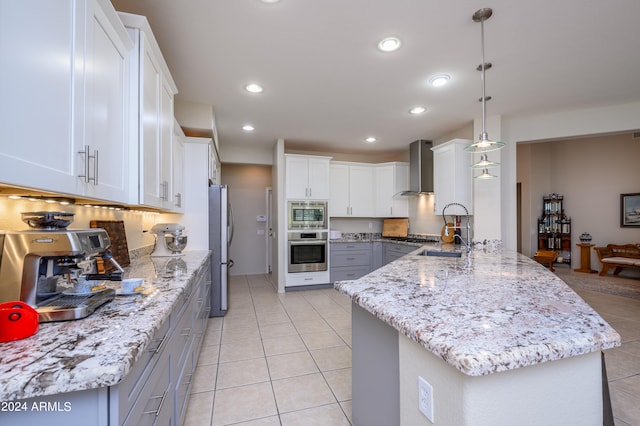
(305, 215)
(308, 251)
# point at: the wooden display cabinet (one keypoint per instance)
(554, 228)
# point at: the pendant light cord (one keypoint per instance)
(484, 98)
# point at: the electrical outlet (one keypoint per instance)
(425, 398)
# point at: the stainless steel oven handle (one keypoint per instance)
(308, 243)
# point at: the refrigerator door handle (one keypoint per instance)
(231, 223)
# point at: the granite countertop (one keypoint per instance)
(98, 350)
(491, 310)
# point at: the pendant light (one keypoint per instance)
(483, 144)
(485, 175)
(484, 163)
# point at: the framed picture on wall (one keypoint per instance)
(630, 210)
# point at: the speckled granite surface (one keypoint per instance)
(98, 350)
(490, 311)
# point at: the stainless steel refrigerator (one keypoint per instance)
(220, 237)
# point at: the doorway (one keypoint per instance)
(269, 234)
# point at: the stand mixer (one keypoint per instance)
(171, 239)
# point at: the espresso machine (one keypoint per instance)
(40, 267)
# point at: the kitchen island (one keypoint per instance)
(130, 362)
(497, 337)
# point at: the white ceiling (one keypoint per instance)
(327, 87)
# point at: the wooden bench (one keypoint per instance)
(546, 257)
(618, 256)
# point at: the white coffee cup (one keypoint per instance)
(130, 285)
(83, 286)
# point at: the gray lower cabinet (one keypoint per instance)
(376, 255)
(156, 389)
(157, 393)
(350, 261)
(393, 251)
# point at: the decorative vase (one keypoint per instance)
(585, 238)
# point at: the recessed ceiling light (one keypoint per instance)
(417, 110)
(370, 139)
(253, 88)
(269, 1)
(389, 44)
(439, 80)
(248, 128)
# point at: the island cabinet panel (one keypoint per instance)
(67, 77)
(349, 261)
(375, 381)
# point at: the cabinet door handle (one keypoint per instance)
(188, 381)
(157, 411)
(95, 167)
(178, 200)
(85, 153)
(351, 258)
(160, 345)
(309, 192)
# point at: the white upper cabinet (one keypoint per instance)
(105, 152)
(177, 160)
(351, 190)
(152, 117)
(307, 177)
(67, 76)
(390, 180)
(452, 177)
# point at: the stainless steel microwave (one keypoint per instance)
(307, 215)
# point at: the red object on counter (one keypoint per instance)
(17, 321)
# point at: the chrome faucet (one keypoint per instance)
(446, 228)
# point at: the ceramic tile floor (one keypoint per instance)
(285, 359)
(623, 363)
(275, 359)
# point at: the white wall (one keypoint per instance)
(247, 184)
(554, 126)
(591, 173)
(246, 154)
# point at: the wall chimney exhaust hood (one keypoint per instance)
(420, 168)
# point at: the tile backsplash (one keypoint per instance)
(135, 222)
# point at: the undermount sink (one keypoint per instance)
(439, 253)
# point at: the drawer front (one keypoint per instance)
(351, 258)
(183, 381)
(335, 247)
(129, 388)
(155, 403)
(348, 273)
